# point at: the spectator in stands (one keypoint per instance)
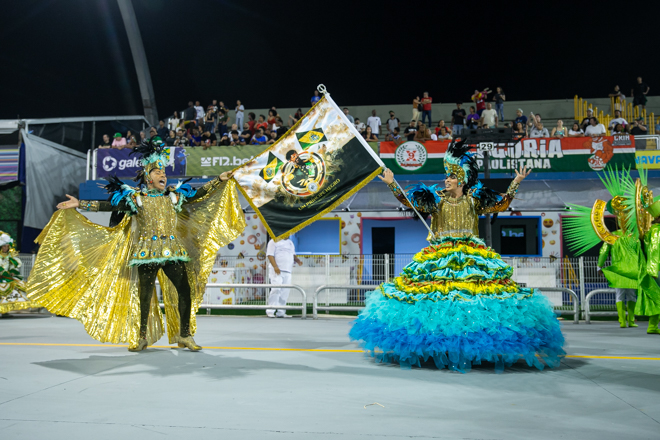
(373, 121)
(423, 134)
(575, 131)
(657, 126)
(410, 130)
(559, 131)
(585, 122)
(618, 129)
(359, 126)
(638, 126)
(457, 120)
(479, 99)
(594, 128)
(194, 138)
(417, 108)
(199, 111)
(618, 120)
(162, 130)
(618, 97)
(519, 130)
(153, 131)
(393, 122)
(174, 121)
(488, 117)
(240, 113)
(539, 131)
(272, 119)
(171, 137)
(297, 116)
(394, 135)
(349, 117)
(259, 138)
(472, 118)
(316, 98)
(252, 122)
(520, 117)
(369, 135)
(639, 92)
(261, 122)
(235, 139)
(246, 134)
(223, 120)
(534, 121)
(441, 124)
(106, 143)
(443, 134)
(273, 137)
(426, 108)
(118, 141)
(209, 119)
(131, 139)
(143, 136)
(189, 113)
(181, 139)
(499, 99)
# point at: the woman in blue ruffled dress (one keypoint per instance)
(455, 302)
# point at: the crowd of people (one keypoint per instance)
(197, 127)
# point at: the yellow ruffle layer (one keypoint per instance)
(445, 287)
(441, 252)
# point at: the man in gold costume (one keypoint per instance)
(105, 277)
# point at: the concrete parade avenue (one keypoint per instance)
(260, 378)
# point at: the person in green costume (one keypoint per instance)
(631, 269)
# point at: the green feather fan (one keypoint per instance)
(578, 231)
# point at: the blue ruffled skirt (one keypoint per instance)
(456, 304)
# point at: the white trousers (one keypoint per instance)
(625, 295)
(278, 295)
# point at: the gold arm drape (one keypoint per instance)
(82, 268)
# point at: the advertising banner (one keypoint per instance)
(648, 159)
(110, 161)
(216, 160)
(541, 154)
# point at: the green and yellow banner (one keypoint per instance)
(216, 160)
(316, 165)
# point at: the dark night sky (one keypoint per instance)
(71, 57)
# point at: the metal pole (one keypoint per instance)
(93, 134)
(387, 268)
(140, 60)
(582, 293)
(488, 233)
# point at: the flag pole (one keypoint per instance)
(321, 88)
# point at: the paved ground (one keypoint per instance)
(104, 392)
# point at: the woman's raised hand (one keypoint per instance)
(71, 203)
(520, 175)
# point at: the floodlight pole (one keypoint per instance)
(140, 60)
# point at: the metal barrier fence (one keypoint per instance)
(602, 301)
(240, 282)
(575, 300)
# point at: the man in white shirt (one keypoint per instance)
(360, 125)
(538, 131)
(594, 128)
(200, 111)
(489, 117)
(617, 120)
(281, 256)
(373, 121)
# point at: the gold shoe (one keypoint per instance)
(141, 345)
(189, 343)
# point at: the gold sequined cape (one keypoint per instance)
(82, 271)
